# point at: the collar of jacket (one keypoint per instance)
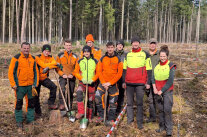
(119, 52)
(68, 53)
(154, 53)
(115, 54)
(91, 57)
(29, 56)
(136, 50)
(163, 63)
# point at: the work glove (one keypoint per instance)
(34, 91)
(90, 82)
(45, 70)
(84, 81)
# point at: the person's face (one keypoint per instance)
(119, 47)
(46, 53)
(110, 49)
(68, 46)
(135, 45)
(86, 54)
(163, 56)
(90, 43)
(25, 49)
(152, 46)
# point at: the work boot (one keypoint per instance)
(19, 127)
(168, 133)
(139, 126)
(61, 107)
(99, 120)
(38, 115)
(109, 122)
(80, 113)
(52, 107)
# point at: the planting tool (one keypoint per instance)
(84, 121)
(66, 107)
(105, 105)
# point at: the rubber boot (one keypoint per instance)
(80, 113)
(89, 114)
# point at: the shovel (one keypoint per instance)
(84, 121)
(105, 102)
(70, 113)
(61, 92)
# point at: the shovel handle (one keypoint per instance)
(86, 100)
(105, 104)
(68, 90)
(61, 92)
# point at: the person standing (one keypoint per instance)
(162, 80)
(137, 75)
(110, 70)
(67, 61)
(121, 54)
(45, 61)
(23, 76)
(94, 50)
(154, 56)
(86, 70)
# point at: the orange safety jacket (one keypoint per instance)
(23, 71)
(110, 69)
(95, 51)
(43, 62)
(67, 63)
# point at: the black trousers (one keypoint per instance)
(165, 110)
(139, 90)
(152, 104)
(120, 101)
(63, 83)
(52, 87)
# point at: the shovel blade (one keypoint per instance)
(83, 123)
(63, 113)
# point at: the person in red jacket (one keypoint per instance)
(110, 70)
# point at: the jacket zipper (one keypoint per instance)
(87, 70)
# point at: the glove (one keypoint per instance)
(45, 70)
(90, 82)
(84, 81)
(34, 91)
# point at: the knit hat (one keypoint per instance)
(120, 42)
(89, 37)
(46, 47)
(153, 40)
(86, 48)
(135, 39)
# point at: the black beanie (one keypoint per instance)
(87, 48)
(135, 39)
(120, 42)
(46, 47)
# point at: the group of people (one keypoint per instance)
(137, 72)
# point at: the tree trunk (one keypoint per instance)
(183, 34)
(50, 23)
(180, 27)
(29, 23)
(33, 29)
(188, 32)
(191, 24)
(164, 31)
(198, 24)
(176, 30)
(148, 29)
(128, 24)
(122, 19)
(3, 21)
(60, 24)
(43, 20)
(70, 27)
(160, 34)
(156, 21)
(12, 22)
(9, 21)
(23, 21)
(100, 24)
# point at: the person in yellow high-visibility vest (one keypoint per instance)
(162, 80)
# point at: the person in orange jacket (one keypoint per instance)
(45, 61)
(67, 61)
(110, 70)
(94, 50)
(23, 76)
(86, 70)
